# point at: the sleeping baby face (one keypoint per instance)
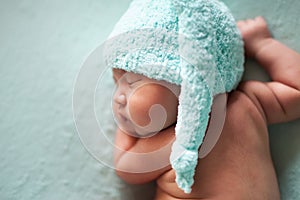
(143, 106)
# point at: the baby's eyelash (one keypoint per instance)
(132, 82)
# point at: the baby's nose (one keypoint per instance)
(120, 99)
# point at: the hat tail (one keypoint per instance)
(191, 124)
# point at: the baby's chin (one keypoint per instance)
(140, 132)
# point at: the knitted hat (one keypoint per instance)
(191, 43)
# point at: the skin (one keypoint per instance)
(240, 164)
(134, 97)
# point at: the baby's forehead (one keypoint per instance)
(118, 72)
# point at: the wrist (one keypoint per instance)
(261, 46)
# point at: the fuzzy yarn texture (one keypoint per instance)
(191, 43)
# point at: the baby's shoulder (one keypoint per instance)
(243, 106)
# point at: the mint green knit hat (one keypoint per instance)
(191, 43)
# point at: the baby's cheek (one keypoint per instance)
(163, 101)
(139, 108)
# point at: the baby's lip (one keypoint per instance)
(122, 117)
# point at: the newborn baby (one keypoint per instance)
(178, 56)
(240, 165)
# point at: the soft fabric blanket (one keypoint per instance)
(43, 46)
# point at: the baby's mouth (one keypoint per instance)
(131, 128)
(122, 117)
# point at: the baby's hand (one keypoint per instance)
(254, 32)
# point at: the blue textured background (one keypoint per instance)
(42, 46)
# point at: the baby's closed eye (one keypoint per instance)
(133, 78)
